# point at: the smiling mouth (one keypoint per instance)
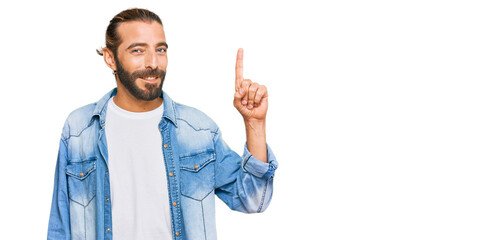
(149, 79)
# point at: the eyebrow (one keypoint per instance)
(144, 45)
(162, 44)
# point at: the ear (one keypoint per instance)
(109, 58)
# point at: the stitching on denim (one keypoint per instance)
(263, 196)
(85, 160)
(196, 129)
(175, 183)
(216, 134)
(75, 201)
(245, 161)
(81, 203)
(197, 199)
(90, 200)
(270, 171)
(108, 210)
(64, 139)
(163, 126)
(195, 154)
(216, 157)
(100, 135)
(85, 228)
(66, 147)
(79, 177)
(191, 169)
(174, 112)
(204, 222)
(168, 182)
(82, 130)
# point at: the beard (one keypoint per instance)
(128, 79)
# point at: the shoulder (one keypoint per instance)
(194, 118)
(78, 120)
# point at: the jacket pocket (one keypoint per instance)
(197, 174)
(81, 178)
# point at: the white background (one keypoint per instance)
(385, 116)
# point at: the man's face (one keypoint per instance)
(141, 58)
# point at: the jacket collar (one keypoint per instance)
(101, 107)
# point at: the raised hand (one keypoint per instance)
(250, 98)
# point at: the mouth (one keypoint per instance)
(149, 79)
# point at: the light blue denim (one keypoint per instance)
(199, 160)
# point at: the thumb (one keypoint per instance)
(238, 95)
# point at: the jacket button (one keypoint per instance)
(195, 166)
(165, 145)
(81, 174)
(171, 174)
(106, 199)
(177, 234)
(174, 204)
(108, 229)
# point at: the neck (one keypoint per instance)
(128, 102)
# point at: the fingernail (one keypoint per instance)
(250, 106)
(244, 102)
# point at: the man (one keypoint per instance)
(138, 165)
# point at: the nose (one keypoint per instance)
(151, 60)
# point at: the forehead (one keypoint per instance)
(141, 32)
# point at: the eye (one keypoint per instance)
(161, 50)
(136, 51)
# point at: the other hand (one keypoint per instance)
(250, 98)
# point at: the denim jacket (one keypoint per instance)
(199, 165)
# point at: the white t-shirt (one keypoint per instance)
(138, 183)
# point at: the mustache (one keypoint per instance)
(149, 72)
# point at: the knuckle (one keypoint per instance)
(245, 83)
(254, 86)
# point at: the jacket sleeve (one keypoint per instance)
(59, 220)
(245, 183)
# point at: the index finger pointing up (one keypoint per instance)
(239, 69)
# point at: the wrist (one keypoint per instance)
(256, 139)
(256, 125)
(254, 121)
